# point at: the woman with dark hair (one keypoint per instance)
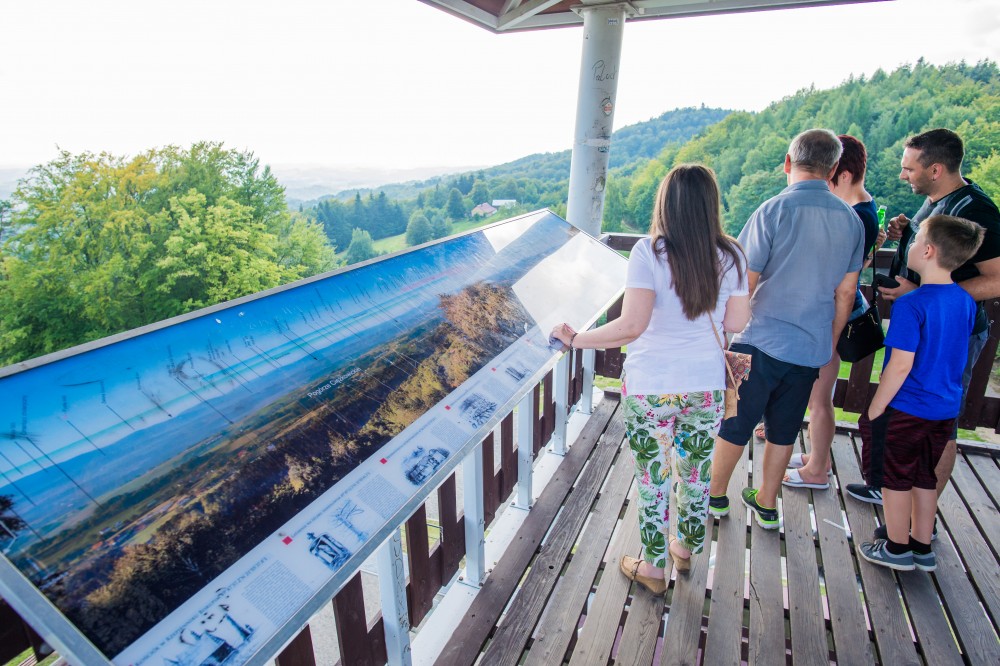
(848, 182)
(683, 281)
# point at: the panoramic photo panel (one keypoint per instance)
(178, 495)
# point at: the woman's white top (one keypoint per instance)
(674, 354)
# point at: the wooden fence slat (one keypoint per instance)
(553, 635)
(593, 646)
(424, 582)
(491, 497)
(805, 608)
(508, 456)
(299, 652)
(548, 407)
(892, 632)
(352, 627)
(724, 644)
(536, 427)
(452, 528)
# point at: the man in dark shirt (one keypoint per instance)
(932, 165)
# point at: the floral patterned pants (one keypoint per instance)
(673, 432)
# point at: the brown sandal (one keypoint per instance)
(630, 567)
(681, 564)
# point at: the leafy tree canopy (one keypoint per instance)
(98, 244)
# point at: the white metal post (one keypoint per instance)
(392, 589)
(475, 517)
(560, 387)
(603, 28)
(525, 449)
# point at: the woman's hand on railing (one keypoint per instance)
(562, 333)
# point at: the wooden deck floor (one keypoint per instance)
(795, 596)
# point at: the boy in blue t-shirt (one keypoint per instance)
(920, 391)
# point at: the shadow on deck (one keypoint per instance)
(799, 595)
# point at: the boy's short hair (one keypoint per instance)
(955, 239)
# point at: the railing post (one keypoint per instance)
(475, 522)
(392, 590)
(587, 391)
(560, 391)
(525, 449)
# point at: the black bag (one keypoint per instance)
(862, 336)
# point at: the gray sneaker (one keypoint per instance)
(877, 552)
(925, 561)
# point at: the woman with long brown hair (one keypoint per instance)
(683, 281)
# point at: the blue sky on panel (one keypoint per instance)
(397, 84)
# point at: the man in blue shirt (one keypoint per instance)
(804, 251)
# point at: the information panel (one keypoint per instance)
(177, 495)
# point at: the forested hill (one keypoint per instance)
(747, 149)
(632, 145)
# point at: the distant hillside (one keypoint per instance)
(630, 146)
(747, 150)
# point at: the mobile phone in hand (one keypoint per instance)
(884, 281)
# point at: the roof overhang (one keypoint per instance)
(500, 16)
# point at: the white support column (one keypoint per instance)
(392, 589)
(475, 518)
(587, 395)
(603, 28)
(525, 449)
(560, 389)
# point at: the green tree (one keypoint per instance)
(419, 229)
(440, 226)
(361, 248)
(456, 207)
(480, 192)
(99, 244)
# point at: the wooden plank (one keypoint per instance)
(805, 608)
(858, 385)
(642, 626)
(934, 635)
(767, 619)
(687, 605)
(522, 615)
(469, 636)
(980, 504)
(537, 426)
(725, 618)
(558, 626)
(424, 583)
(847, 614)
(597, 637)
(892, 632)
(976, 634)
(986, 469)
(299, 652)
(979, 559)
(352, 628)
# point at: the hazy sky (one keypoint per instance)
(396, 83)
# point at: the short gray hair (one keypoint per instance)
(816, 150)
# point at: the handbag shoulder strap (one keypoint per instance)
(718, 339)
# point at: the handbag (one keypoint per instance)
(737, 370)
(862, 336)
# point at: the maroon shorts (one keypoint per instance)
(911, 448)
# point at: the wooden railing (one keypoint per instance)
(432, 567)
